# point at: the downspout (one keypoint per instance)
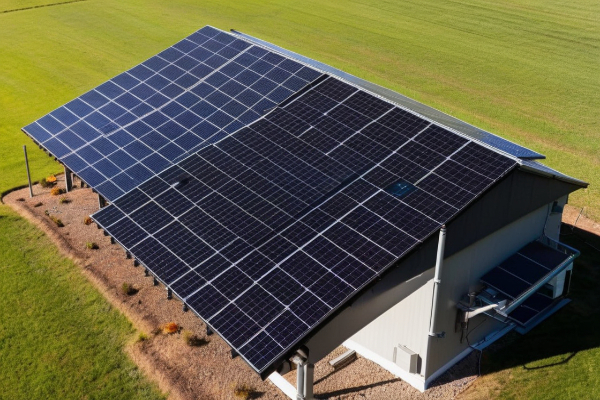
(436, 284)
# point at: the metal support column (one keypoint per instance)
(169, 294)
(28, 174)
(309, 376)
(101, 201)
(300, 362)
(305, 373)
(155, 281)
(68, 180)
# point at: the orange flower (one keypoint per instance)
(51, 179)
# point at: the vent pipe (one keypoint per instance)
(436, 283)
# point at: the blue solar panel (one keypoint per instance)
(166, 92)
(523, 269)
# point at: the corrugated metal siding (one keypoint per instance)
(407, 323)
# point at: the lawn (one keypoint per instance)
(59, 338)
(526, 70)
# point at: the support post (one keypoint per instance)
(155, 281)
(309, 376)
(436, 283)
(68, 180)
(136, 263)
(112, 240)
(127, 255)
(185, 307)
(169, 294)
(305, 373)
(300, 362)
(208, 331)
(101, 201)
(28, 174)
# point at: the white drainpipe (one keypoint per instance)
(436, 283)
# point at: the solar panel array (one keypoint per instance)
(201, 89)
(520, 272)
(268, 231)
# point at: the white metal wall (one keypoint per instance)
(407, 323)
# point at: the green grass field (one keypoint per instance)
(526, 70)
(59, 338)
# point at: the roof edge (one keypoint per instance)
(538, 168)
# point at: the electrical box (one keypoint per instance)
(405, 358)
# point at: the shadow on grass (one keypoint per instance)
(563, 361)
(571, 330)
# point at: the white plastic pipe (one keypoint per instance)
(436, 280)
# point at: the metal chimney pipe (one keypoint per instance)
(436, 282)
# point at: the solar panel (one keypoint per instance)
(531, 308)
(288, 228)
(518, 273)
(523, 269)
(148, 118)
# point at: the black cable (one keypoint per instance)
(480, 351)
